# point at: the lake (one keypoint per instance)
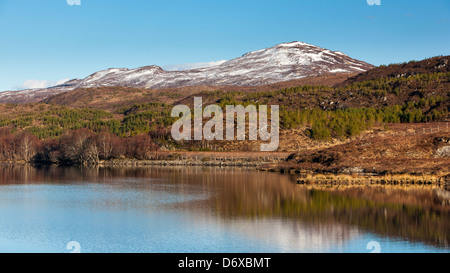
(204, 210)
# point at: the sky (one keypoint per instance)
(44, 42)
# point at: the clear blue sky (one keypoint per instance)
(48, 40)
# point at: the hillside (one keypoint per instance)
(337, 110)
(439, 64)
(110, 98)
(280, 63)
(319, 116)
(403, 148)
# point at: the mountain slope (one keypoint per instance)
(110, 98)
(283, 62)
(439, 64)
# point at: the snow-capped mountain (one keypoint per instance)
(283, 62)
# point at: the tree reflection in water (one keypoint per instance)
(402, 212)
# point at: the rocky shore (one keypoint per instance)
(197, 161)
(208, 163)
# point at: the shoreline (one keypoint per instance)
(308, 177)
(272, 163)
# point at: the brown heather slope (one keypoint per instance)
(431, 65)
(404, 148)
(109, 98)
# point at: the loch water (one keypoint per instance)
(209, 210)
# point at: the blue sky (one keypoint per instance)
(45, 41)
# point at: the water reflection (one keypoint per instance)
(267, 208)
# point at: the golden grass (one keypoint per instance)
(394, 179)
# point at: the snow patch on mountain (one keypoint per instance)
(283, 62)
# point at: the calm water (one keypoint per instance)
(42, 209)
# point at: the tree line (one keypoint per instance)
(350, 122)
(53, 121)
(75, 147)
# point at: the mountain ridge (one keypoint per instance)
(282, 62)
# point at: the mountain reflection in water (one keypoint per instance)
(268, 207)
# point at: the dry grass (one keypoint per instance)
(380, 152)
(350, 180)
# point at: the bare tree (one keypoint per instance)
(105, 144)
(80, 147)
(26, 147)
